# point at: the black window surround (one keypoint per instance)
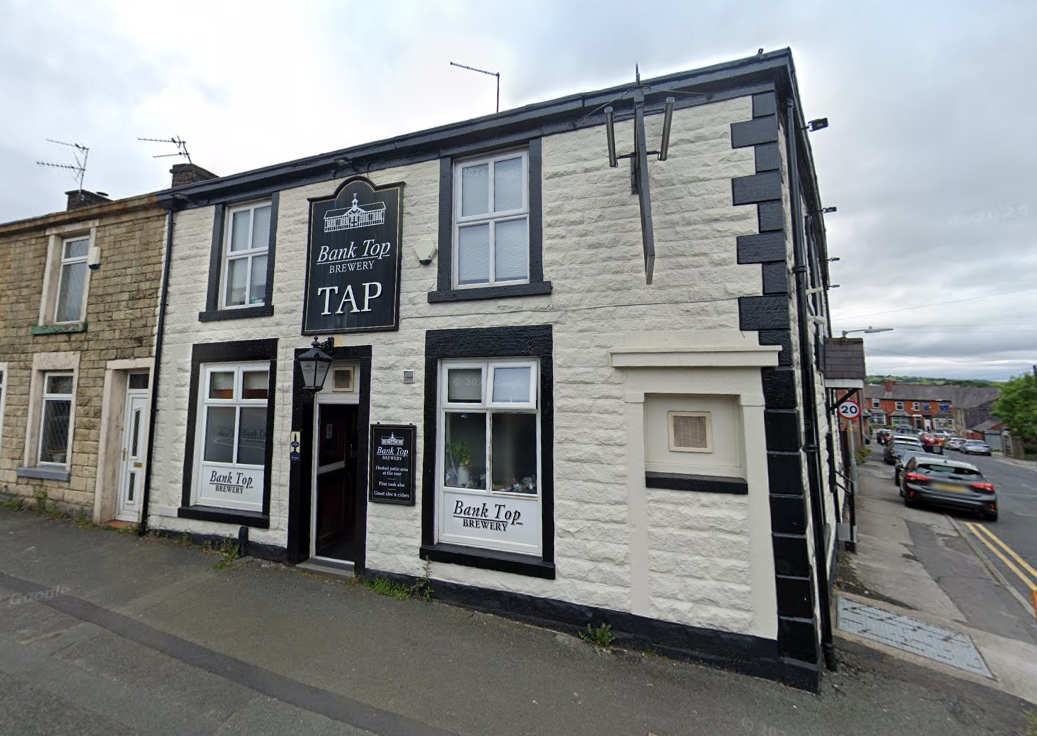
(213, 312)
(227, 352)
(534, 341)
(445, 291)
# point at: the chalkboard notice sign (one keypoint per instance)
(392, 464)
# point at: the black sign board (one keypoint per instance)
(353, 260)
(392, 464)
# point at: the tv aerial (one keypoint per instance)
(80, 154)
(181, 147)
(482, 71)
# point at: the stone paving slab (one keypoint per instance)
(911, 635)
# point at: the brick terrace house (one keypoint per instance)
(78, 311)
(940, 407)
(508, 399)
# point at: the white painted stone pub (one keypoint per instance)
(586, 447)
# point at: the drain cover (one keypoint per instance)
(911, 635)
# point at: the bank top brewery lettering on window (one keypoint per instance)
(489, 455)
(353, 260)
(233, 416)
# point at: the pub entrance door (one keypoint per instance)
(334, 532)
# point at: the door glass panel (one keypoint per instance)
(464, 385)
(221, 385)
(131, 487)
(514, 453)
(136, 433)
(138, 381)
(252, 435)
(464, 450)
(219, 434)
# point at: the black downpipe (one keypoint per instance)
(142, 528)
(812, 446)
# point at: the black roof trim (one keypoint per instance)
(709, 84)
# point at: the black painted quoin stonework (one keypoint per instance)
(769, 315)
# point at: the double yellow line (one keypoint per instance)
(1027, 574)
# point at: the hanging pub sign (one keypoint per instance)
(353, 260)
(392, 464)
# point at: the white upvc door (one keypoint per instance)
(131, 471)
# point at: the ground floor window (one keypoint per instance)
(55, 415)
(231, 435)
(489, 455)
(878, 418)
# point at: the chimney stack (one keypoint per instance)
(189, 174)
(79, 198)
(889, 385)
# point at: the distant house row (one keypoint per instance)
(958, 409)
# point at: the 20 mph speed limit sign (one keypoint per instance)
(849, 410)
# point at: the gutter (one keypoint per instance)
(142, 527)
(812, 440)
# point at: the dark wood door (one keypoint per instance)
(336, 481)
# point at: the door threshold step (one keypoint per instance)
(327, 566)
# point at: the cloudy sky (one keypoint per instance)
(929, 157)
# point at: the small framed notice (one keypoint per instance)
(392, 464)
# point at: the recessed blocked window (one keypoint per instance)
(694, 434)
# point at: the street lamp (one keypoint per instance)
(869, 330)
(314, 364)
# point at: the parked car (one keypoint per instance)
(943, 434)
(882, 436)
(950, 483)
(954, 443)
(905, 457)
(898, 447)
(976, 447)
(931, 443)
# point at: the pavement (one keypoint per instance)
(916, 563)
(104, 632)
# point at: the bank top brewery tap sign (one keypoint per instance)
(353, 260)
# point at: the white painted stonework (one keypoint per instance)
(700, 559)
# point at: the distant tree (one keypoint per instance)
(1017, 407)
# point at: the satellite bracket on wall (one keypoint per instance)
(639, 183)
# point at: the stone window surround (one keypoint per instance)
(56, 237)
(217, 260)
(445, 291)
(43, 363)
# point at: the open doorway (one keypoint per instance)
(334, 533)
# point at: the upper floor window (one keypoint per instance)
(900, 406)
(914, 405)
(72, 280)
(491, 220)
(245, 256)
(876, 403)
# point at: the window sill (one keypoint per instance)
(224, 516)
(489, 560)
(698, 483)
(59, 329)
(218, 315)
(489, 292)
(63, 475)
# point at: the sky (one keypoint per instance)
(929, 156)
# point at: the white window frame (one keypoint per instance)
(238, 402)
(489, 408)
(44, 398)
(53, 273)
(63, 262)
(899, 406)
(915, 406)
(879, 418)
(490, 217)
(250, 254)
(876, 403)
